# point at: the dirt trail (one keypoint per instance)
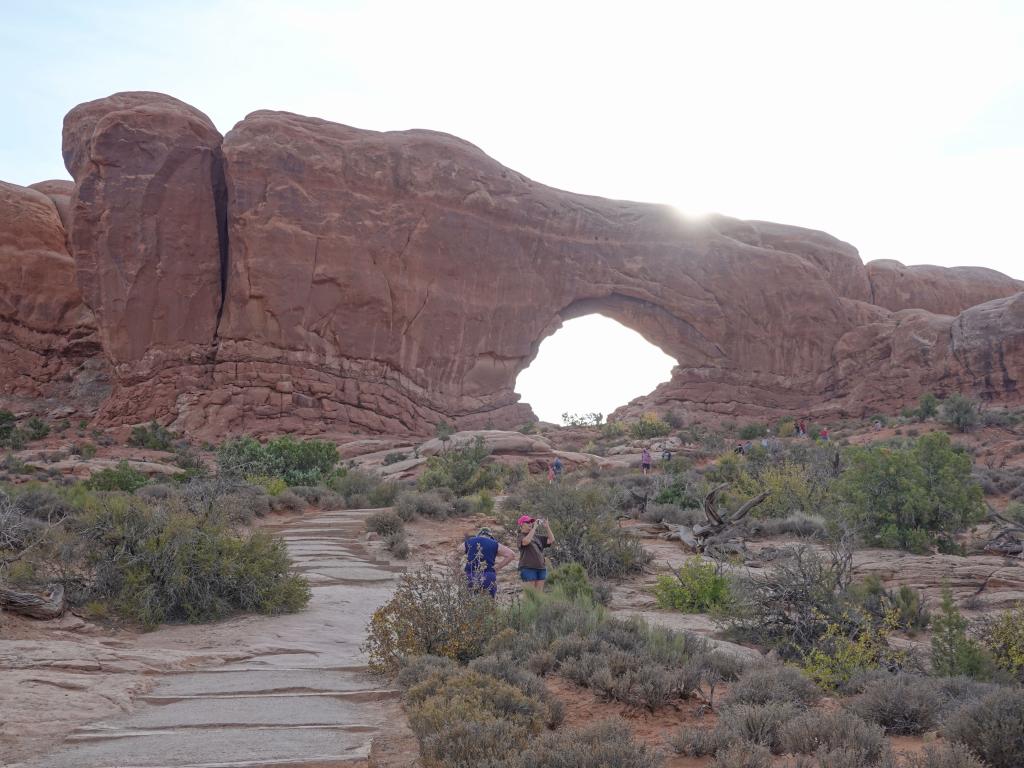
(283, 691)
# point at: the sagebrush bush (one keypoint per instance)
(741, 755)
(993, 727)
(960, 412)
(425, 504)
(286, 501)
(153, 436)
(697, 587)
(693, 741)
(429, 613)
(815, 731)
(397, 544)
(945, 756)
(119, 478)
(461, 469)
(305, 462)
(756, 723)
(773, 684)
(608, 744)
(570, 580)
(385, 522)
(902, 705)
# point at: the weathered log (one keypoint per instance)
(711, 504)
(48, 606)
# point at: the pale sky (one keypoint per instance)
(896, 126)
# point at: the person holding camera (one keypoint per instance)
(532, 543)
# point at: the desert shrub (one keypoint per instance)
(582, 419)
(993, 727)
(910, 498)
(609, 744)
(756, 723)
(119, 478)
(753, 431)
(8, 423)
(585, 528)
(153, 567)
(416, 669)
(740, 755)
(692, 741)
(816, 731)
(903, 704)
(152, 436)
(960, 412)
(799, 525)
(272, 485)
(697, 587)
(425, 504)
(42, 502)
(383, 494)
(927, 407)
(571, 580)
(944, 756)
(85, 450)
(773, 684)
(791, 606)
(36, 429)
(429, 613)
(461, 469)
(384, 522)
(611, 430)
(286, 501)
(305, 462)
(648, 426)
(790, 488)
(903, 608)
(397, 544)
(838, 655)
(953, 652)
(1003, 637)
(394, 457)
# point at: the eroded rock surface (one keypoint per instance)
(380, 282)
(48, 341)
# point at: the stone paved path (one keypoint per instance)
(299, 697)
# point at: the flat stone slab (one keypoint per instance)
(257, 680)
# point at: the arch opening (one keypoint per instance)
(592, 364)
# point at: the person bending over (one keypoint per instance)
(485, 556)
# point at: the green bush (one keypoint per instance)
(697, 587)
(648, 426)
(753, 431)
(8, 423)
(384, 523)
(993, 728)
(119, 478)
(394, 457)
(582, 419)
(461, 469)
(1003, 638)
(927, 407)
(306, 462)
(953, 653)
(36, 429)
(154, 567)
(571, 580)
(154, 436)
(910, 498)
(960, 412)
(429, 504)
(429, 613)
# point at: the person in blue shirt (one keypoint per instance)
(485, 556)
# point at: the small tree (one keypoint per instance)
(953, 653)
(960, 412)
(927, 406)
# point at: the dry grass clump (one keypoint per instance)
(945, 756)
(743, 755)
(756, 723)
(992, 727)
(902, 704)
(608, 744)
(815, 732)
(773, 683)
(693, 741)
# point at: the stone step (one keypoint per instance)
(259, 680)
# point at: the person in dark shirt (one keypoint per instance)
(485, 556)
(532, 543)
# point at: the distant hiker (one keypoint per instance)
(557, 467)
(645, 461)
(801, 428)
(738, 449)
(485, 556)
(824, 434)
(551, 472)
(532, 544)
(878, 425)
(666, 456)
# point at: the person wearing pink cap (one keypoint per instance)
(532, 543)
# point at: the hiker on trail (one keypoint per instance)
(801, 428)
(645, 461)
(738, 450)
(824, 434)
(557, 467)
(532, 543)
(485, 556)
(666, 455)
(551, 472)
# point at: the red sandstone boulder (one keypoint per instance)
(61, 192)
(146, 235)
(942, 290)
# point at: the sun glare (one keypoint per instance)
(592, 364)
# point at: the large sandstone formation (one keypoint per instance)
(300, 275)
(48, 343)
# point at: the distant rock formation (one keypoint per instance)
(304, 276)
